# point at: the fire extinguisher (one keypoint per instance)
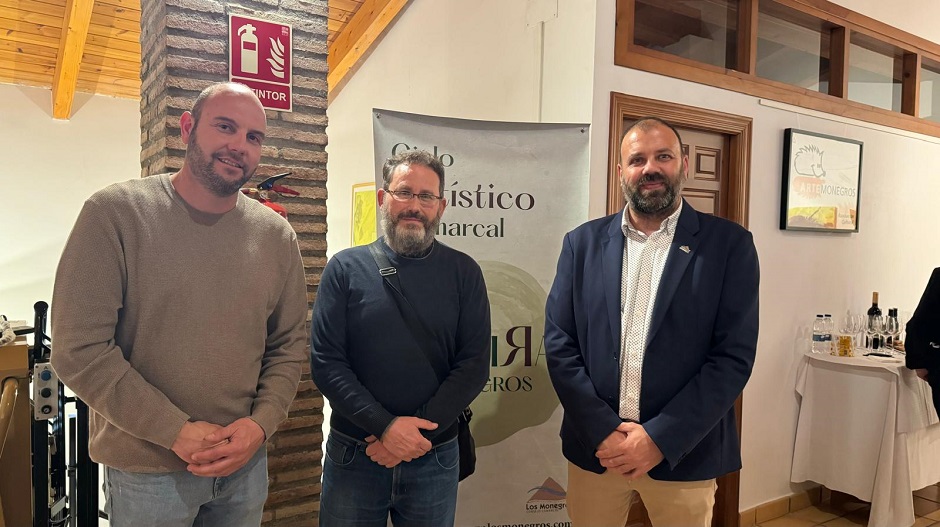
(249, 48)
(268, 191)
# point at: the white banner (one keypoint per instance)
(513, 190)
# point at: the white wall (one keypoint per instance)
(918, 17)
(47, 169)
(452, 58)
(802, 273)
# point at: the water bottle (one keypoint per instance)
(830, 327)
(819, 345)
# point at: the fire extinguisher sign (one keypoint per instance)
(260, 57)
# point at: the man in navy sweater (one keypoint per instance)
(392, 448)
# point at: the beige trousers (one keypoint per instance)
(604, 500)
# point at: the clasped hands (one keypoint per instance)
(629, 450)
(401, 441)
(216, 451)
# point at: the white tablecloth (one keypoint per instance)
(869, 429)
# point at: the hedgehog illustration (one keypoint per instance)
(808, 161)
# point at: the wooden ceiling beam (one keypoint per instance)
(71, 47)
(368, 24)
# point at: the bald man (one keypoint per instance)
(178, 315)
(650, 336)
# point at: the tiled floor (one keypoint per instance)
(845, 511)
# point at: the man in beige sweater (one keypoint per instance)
(178, 316)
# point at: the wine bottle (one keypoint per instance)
(874, 328)
(874, 310)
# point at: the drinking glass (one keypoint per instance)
(903, 317)
(892, 328)
(848, 322)
(861, 324)
(849, 326)
(876, 326)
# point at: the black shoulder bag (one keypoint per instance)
(465, 443)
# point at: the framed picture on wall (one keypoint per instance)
(363, 214)
(821, 182)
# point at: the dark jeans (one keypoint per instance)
(357, 492)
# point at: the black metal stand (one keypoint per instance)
(40, 429)
(56, 501)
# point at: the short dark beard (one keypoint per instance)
(408, 242)
(201, 167)
(658, 205)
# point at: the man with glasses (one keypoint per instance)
(392, 448)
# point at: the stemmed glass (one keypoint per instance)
(903, 317)
(849, 326)
(892, 328)
(861, 323)
(875, 330)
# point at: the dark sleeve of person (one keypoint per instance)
(708, 396)
(470, 368)
(329, 361)
(923, 330)
(593, 417)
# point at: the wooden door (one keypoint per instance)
(708, 170)
(718, 146)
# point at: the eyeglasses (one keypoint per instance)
(406, 195)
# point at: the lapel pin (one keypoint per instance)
(685, 249)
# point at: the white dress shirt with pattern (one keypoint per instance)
(644, 259)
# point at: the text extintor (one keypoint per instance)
(260, 57)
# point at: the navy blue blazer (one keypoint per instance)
(700, 349)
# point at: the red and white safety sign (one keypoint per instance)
(260, 57)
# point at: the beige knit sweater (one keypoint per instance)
(162, 314)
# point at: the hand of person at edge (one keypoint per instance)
(233, 446)
(922, 373)
(379, 454)
(404, 440)
(636, 455)
(192, 438)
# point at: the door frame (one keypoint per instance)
(738, 129)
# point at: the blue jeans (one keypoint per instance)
(358, 492)
(180, 499)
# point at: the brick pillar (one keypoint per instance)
(184, 48)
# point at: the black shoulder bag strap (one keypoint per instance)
(420, 331)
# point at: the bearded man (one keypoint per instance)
(650, 336)
(187, 359)
(392, 448)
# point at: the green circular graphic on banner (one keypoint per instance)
(519, 393)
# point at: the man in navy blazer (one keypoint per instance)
(650, 336)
